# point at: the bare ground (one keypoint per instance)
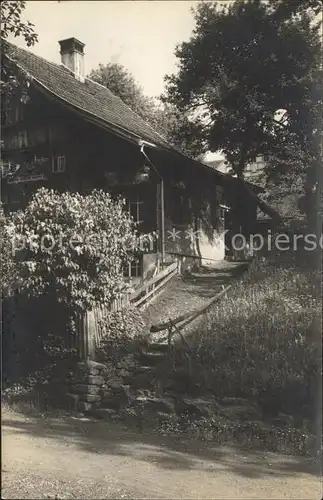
(71, 458)
(185, 294)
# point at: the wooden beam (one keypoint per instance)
(153, 280)
(162, 220)
(190, 315)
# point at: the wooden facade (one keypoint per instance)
(189, 205)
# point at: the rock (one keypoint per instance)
(111, 402)
(152, 358)
(72, 400)
(91, 398)
(199, 407)
(104, 413)
(85, 389)
(114, 383)
(142, 369)
(92, 367)
(124, 373)
(83, 406)
(241, 412)
(163, 417)
(124, 393)
(158, 347)
(147, 404)
(143, 381)
(95, 380)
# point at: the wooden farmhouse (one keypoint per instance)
(74, 134)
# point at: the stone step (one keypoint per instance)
(111, 403)
(158, 347)
(142, 381)
(152, 358)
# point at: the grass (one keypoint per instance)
(263, 342)
(265, 336)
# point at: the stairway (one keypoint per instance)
(143, 388)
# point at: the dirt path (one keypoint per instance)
(69, 458)
(184, 294)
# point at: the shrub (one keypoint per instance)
(121, 331)
(7, 262)
(73, 247)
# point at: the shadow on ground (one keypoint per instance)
(105, 438)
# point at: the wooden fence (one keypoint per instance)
(88, 331)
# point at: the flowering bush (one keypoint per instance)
(73, 247)
(7, 262)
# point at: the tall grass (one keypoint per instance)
(264, 339)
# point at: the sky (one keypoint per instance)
(140, 35)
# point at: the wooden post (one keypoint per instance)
(161, 219)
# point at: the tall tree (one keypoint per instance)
(244, 63)
(122, 83)
(12, 24)
(167, 119)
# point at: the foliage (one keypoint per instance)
(122, 84)
(7, 262)
(247, 76)
(119, 330)
(73, 247)
(166, 119)
(263, 340)
(12, 24)
(287, 8)
(182, 133)
(286, 439)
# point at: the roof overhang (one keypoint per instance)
(130, 136)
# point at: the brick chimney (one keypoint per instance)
(72, 56)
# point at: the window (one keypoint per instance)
(16, 141)
(136, 211)
(134, 268)
(5, 166)
(22, 139)
(13, 114)
(58, 164)
(222, 213)
(181, 209)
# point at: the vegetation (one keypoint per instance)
(165, 118)
(246, 78)
(270, 324)
(262, 343)
(12, 24)
(121, 331)
(7, 262)
(72, 248)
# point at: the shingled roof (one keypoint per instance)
(89, 97)
(95, 102)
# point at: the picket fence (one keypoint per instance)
(88, 330)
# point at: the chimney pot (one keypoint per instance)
(72, 56)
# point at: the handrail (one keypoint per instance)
(154, 290)
(190, 315)
(153, 280)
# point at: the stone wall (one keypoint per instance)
(90, 384)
